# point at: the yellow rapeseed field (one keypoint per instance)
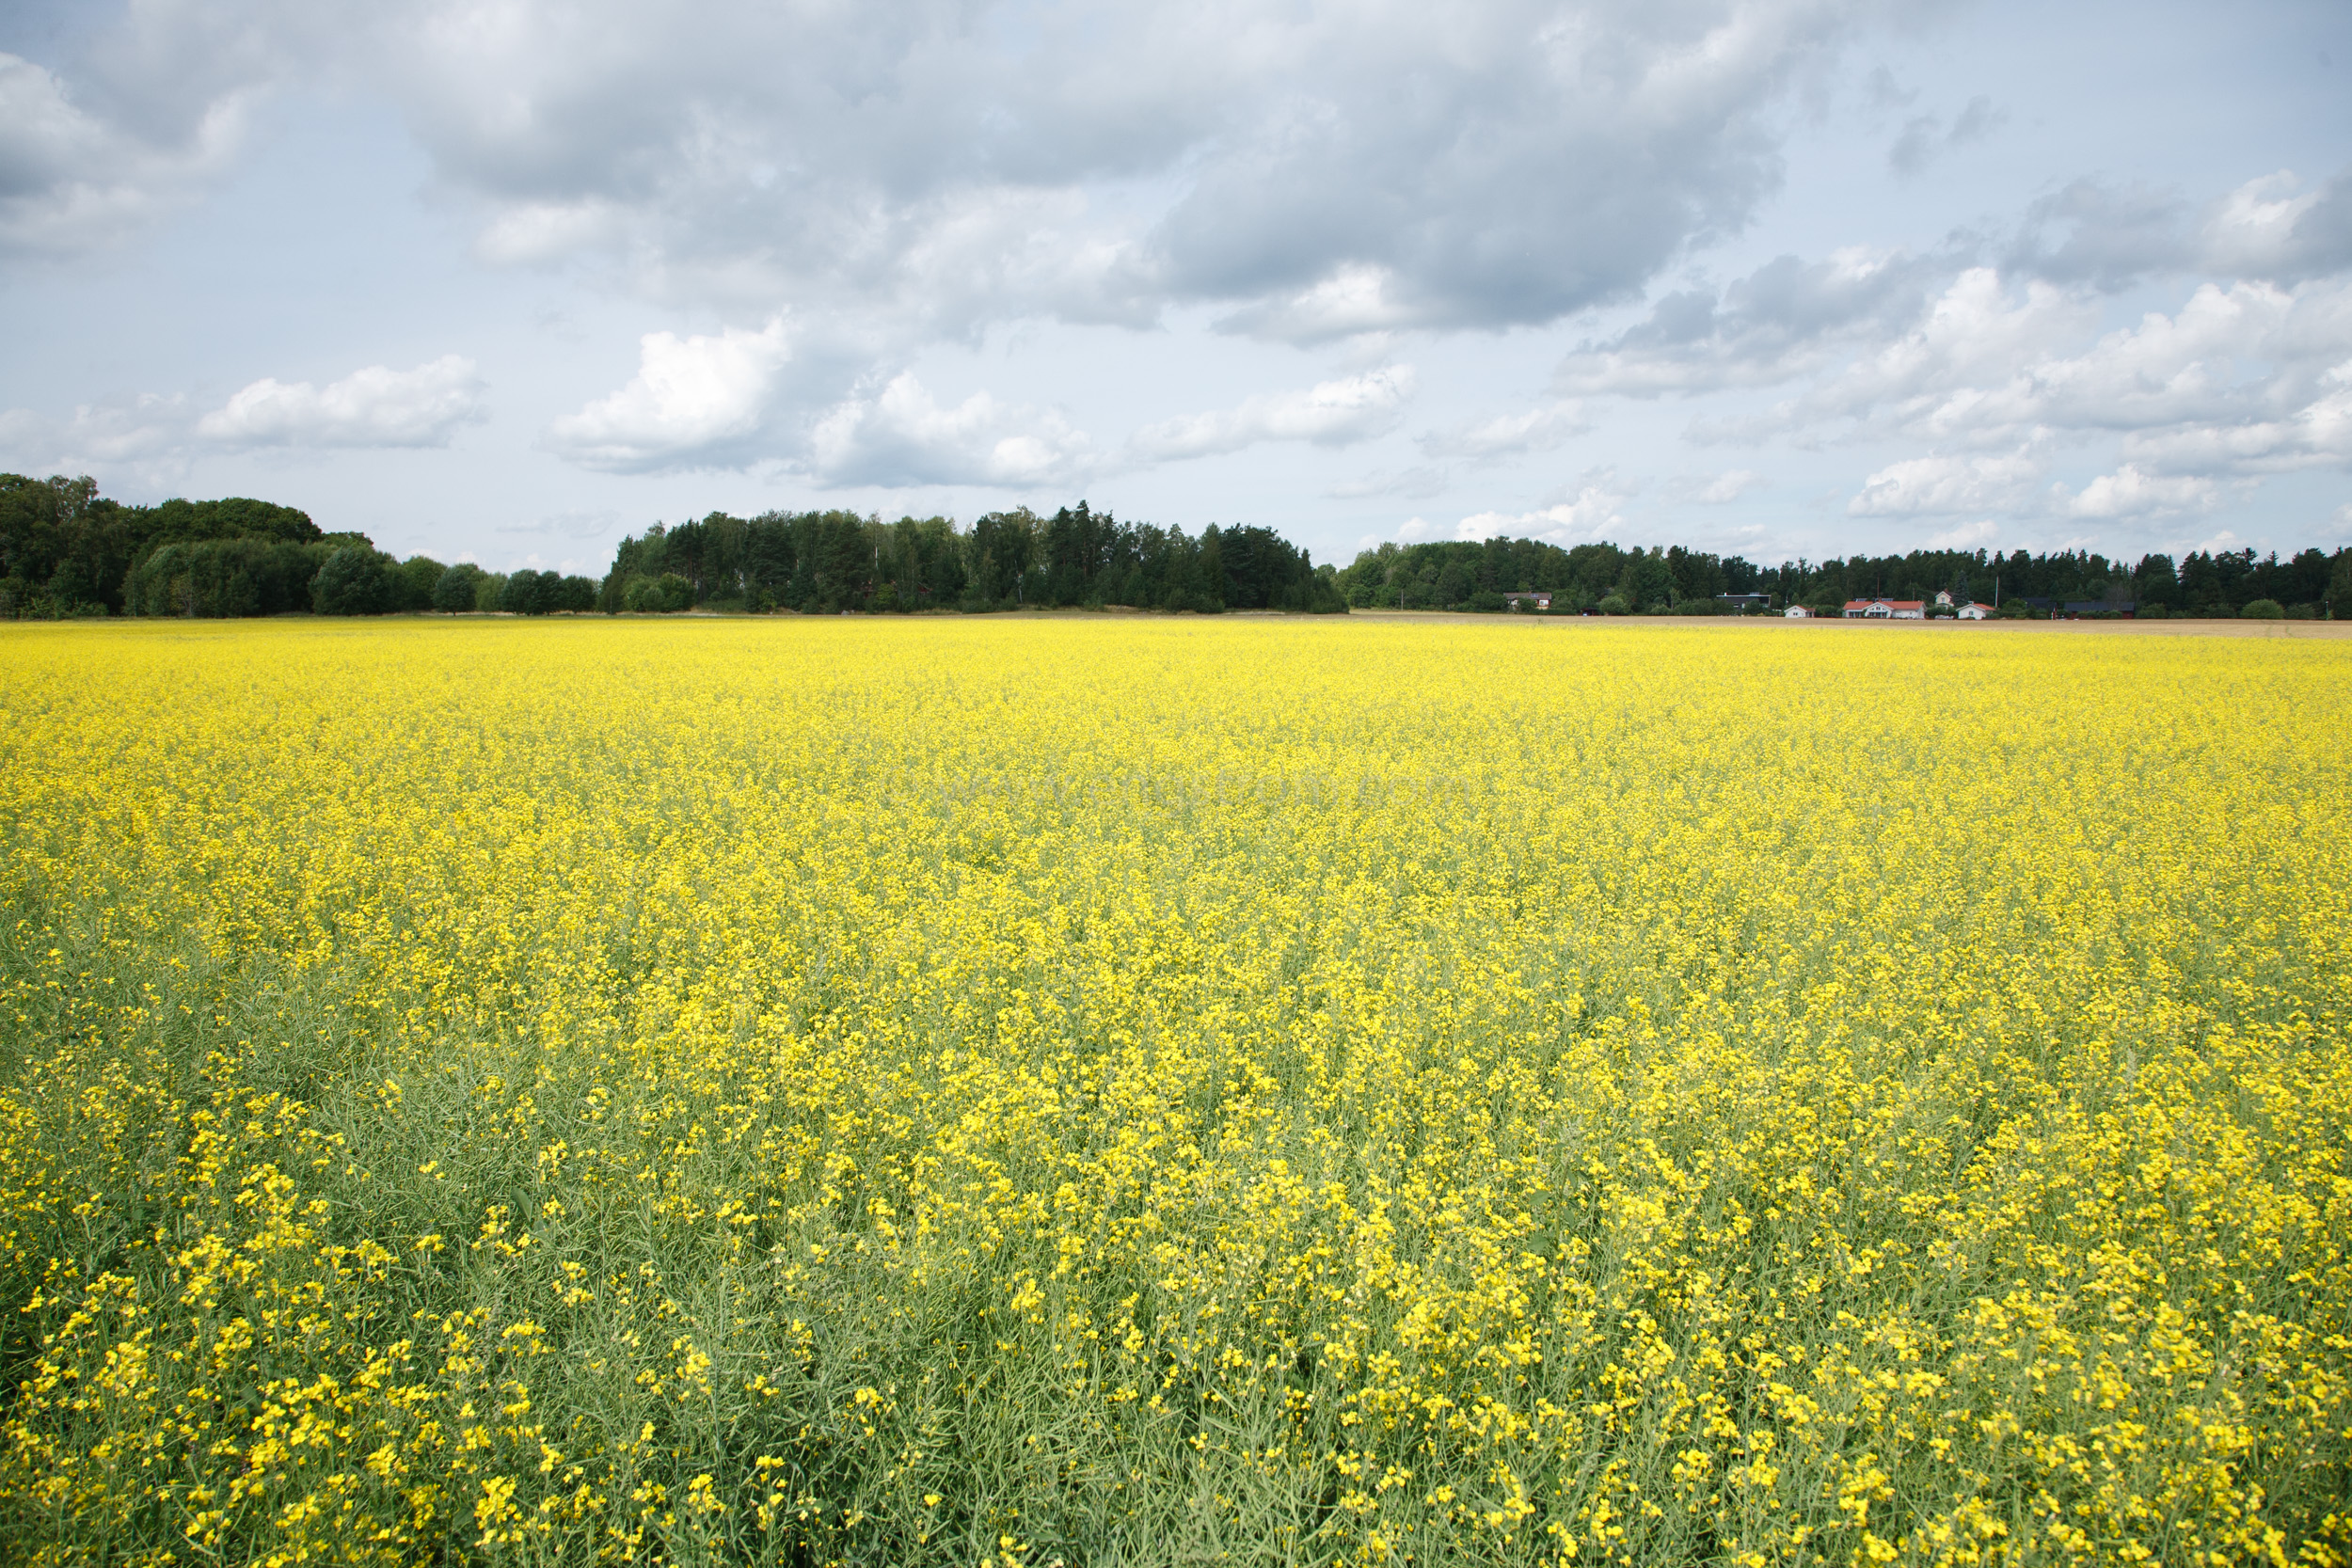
(1006, 1093)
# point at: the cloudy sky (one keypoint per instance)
(504, 279)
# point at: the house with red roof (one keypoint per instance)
(1886, 609)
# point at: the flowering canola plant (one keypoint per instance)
(1013, 1092)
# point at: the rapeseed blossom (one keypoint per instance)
(1021, 1092)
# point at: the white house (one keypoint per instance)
(1974, 611)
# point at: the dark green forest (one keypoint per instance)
(1612, 581)
(826, 561)
(67, 551)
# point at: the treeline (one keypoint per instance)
(1462, 574)
(828, 562)
(2202, 583)
(65, 550)
(1606, 578)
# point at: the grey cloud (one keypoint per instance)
(1885, 93)
(1915, 146)
(2269, 227)
(1978, 119)
(2273, 229)
(72, 180)
(2089, 232)
(1320, 170)
(2316, 435)
(1924, 136)
(135, 116)
(1509, 167)
(1780, 320)
(2323, 235)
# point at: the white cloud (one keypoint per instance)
(535, 232)
(141, 441)
(136, 430)
(2247, 377)
(698, 402)
(1331, 413)
(739, 398)
(2167, 369)
(1940, 485)
(1938, 376)
(1509, 434)
(1728, 487)
(2129, 492)
(1591, 514)
(901, 436)
(158, 437)
(1966, 536)
(1356, 298)
(372, 407)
